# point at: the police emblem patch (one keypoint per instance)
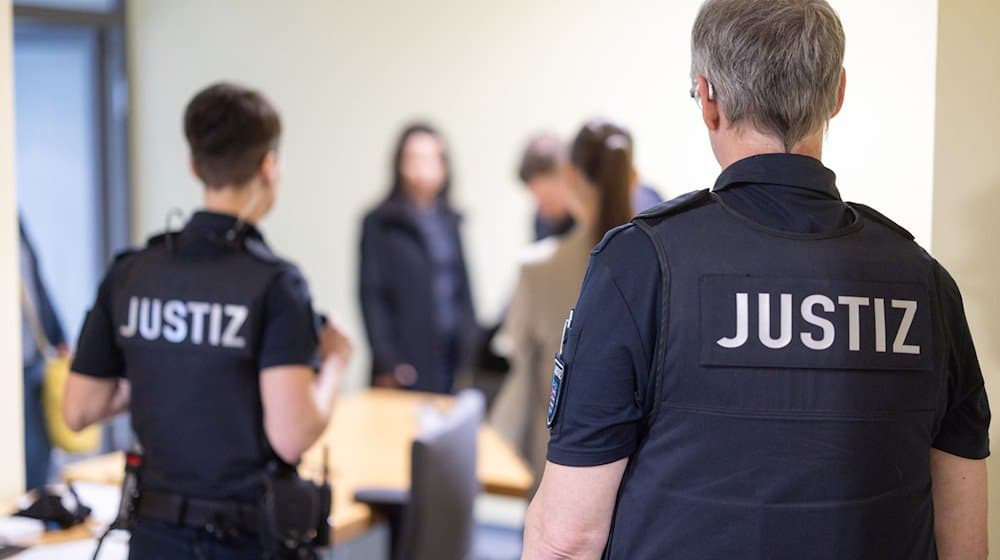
(558, 373)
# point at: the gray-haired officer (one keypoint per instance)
(763, 370)
(217, 338)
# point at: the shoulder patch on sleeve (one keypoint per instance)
(681, 203)
(875, 215)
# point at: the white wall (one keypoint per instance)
(348, 74)
(967, 182)
(11, 416)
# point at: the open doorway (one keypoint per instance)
(71, 109)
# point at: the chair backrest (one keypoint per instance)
(438, 523)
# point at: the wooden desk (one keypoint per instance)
(369, 443)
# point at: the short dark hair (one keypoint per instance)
(544, 154)
(230, 129)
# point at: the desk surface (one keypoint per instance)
(369, 443)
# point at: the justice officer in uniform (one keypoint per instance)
(762, 370)
(215, 335)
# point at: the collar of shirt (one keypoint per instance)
(205, 222)
(788, 170)
(784, 192)
(205, 233)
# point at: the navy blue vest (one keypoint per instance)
(189, 327)
(798, 386)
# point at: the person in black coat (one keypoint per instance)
(415, 293)
(41, 331)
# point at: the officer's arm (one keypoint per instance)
(570, 516)
(88, 400)
(960, 504)
(297, 402)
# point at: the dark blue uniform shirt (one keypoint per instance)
(601, 411)
(196, 404)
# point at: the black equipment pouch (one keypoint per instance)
(129, 504)
(50, 509)
(294, 514)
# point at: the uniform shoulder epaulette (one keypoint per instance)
(159, 239)
(260, 251)
(675, 206)
(881, 218)
(154, 241)
(611, 234)
(124, 253)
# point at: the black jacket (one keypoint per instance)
(46, 310)
(397, 297)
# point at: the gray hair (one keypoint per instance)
(775, 64)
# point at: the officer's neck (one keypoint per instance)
(733, 145)
(239, 201)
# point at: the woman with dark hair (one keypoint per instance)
(599, 176)
(415, 293)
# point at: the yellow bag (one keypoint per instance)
(53, 389)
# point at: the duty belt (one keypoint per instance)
(218, 517)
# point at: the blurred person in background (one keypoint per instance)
(541, 172)
(644, 197)
(41, 332)
(415, 292)
(599, 179)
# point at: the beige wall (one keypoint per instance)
(348, 74)
(11, 417)
(967, 181)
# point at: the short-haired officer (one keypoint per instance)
(763, 370)
(215, 335)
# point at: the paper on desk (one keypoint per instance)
(113, 549)
(102, 499)
(20, 531)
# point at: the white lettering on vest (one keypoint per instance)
(899, 345)
(742, 324)
(810, 316)
(176, 329)
(854, 305)
(198, 311)
(237, 316)
(764, 321)
(829, 333)
(149, 318)
(178, 321)
(129, 329)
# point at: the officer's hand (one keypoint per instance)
(403, 375)
(334, 342)
(386, 381)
